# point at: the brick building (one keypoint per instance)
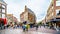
(28, 15)
(11, 18)
(53, 13)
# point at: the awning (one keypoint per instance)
(55, 20)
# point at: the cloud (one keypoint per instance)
(39, 7)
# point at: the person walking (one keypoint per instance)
(27, 27)
(36, 27)
(24, 27)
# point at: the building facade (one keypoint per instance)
(53, 12)
(11, 18)
(43, 21)
(3, 9)
(28, 15)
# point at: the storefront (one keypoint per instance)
(55, 22)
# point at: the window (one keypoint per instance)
(3, 15)
(57, 12)
(3, 6)
(3, 11)
(52, 4)
(58, 3)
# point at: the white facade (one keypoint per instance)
(3, 9)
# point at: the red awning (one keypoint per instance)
(5, 21)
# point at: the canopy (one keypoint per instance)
(4, 20)
(55, 20)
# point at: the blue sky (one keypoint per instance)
(39, 7)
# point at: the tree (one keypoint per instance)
(40, 23)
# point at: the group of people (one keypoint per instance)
(25, 27)
(2, 26)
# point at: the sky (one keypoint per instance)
(39, 7)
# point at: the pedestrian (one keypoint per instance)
(27, 27)
(24, 27)
(40, 26)
(36, 27)
(8, 25)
